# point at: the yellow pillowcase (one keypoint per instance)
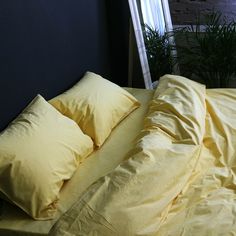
(38, 151)
(96, 104)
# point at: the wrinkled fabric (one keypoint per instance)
(180, 177)
(14, 222)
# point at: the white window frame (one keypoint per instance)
(140, 40)
(140, 43)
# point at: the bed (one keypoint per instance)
(166, 169)
(179, 178)
(14, 221)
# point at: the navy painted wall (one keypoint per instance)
(46, 46)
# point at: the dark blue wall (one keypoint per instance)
(47, 45)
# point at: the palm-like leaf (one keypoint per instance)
(209, 54)
(158, 52)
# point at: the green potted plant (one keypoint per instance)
(207, 51)
(158, 52)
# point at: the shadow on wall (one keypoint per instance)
(118, 16)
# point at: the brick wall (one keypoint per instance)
(184, 11)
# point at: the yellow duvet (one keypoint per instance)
(180, 179)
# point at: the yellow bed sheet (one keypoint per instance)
(14, 222)
(180, 178)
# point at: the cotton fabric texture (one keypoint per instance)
(97, 105)
(38, 151)
(179, 179)
(98, 163)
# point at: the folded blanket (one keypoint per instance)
(180, 177)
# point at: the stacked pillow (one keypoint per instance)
(38, 151)
(43, 146)
(96, 105)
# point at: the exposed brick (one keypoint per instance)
(184, 11)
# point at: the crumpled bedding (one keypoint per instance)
(180, 177)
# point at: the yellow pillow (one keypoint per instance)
(96, 104)
(38, 151)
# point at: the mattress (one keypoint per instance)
(14, 221)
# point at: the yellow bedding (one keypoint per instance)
(14, 221)
(180, 177)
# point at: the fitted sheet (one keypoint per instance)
(13, 221)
